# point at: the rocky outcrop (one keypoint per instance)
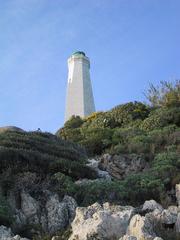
(52, 214)
(116, 222)
(120, 166)
(106, 222)
(6, 234)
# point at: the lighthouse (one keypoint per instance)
(79, 98)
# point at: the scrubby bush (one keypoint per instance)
(160, 118)
(166, 94)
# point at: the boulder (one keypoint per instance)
(101, 222)
(152, 205)
(141, 228)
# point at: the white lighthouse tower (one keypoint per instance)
(79, 99)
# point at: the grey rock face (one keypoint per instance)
(94, 164)
(30, 208)
(52, 216)
(105, 222)
(59, 214)
(120, 166)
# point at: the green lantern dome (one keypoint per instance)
(79, 53)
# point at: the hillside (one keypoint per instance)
(125, 156)
(150, 132)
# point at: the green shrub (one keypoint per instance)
(160, 118)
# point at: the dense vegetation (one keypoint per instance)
(149, 130)
(34, 161)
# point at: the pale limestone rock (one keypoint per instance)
(152, 205)
(141, 228)
(178, 193)
(102, 222)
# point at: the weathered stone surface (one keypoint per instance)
(104, 222)
(152, 205)
(178, 193)
(59, 214)
(94, 164)
(169, 216)
(30, 208)
(141, 228)
(120, 166)
(52, 215)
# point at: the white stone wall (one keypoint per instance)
(79, 99)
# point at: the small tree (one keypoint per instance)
(167, 94)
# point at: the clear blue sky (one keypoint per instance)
(129, 42)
